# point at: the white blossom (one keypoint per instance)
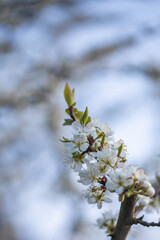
(120, 179)
(129, 178)
(120, 144)
(97, 195)
(89, 175)
(73, 156)
(139, 175)
(69, 160)
(88, 129)
(81, 138)
(71, 147)
(106, 159)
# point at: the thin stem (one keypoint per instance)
(144, 223)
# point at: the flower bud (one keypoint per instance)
(146, 184)
(150, 192)
(144, 201)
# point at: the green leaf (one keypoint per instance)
(73, 104)
(89, 120)
(67, 111)
(75, 110)
(78, 115)
(84, 117)
(67, 122)
(69, 95)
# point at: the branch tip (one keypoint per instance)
(144, 223)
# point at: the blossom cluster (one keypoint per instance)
(100, 160)
(101, 165)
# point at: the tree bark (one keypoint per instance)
(125, 216)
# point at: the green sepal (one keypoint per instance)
(99, 136)
(129, 193)
(103, 139)
(84, 117)
(69, 95)
(77, 157)
(67, 122)
(65, 140)
(120, 148)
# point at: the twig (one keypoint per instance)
(71, 112)
(144, 223)
(110, 235)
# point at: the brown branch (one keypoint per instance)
(91, 140)
(125, 216)
(89, 149)
(144, 223)
(71, 112)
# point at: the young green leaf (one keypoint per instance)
(67, 122)
(89, 120)
(84, 117)
(67, 111)
(78, 115)
(74, 104)
(69, 95)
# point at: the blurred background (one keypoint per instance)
(109, 51)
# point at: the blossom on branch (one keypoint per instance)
(100, 162)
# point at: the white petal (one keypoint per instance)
(91, 200)
(99, 205)
(111, 186)
(76, 127)
(119, 190)
(107, 199)
(128, 182)
(84, 146)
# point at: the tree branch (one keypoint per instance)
(125, 216)
(144, 223)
